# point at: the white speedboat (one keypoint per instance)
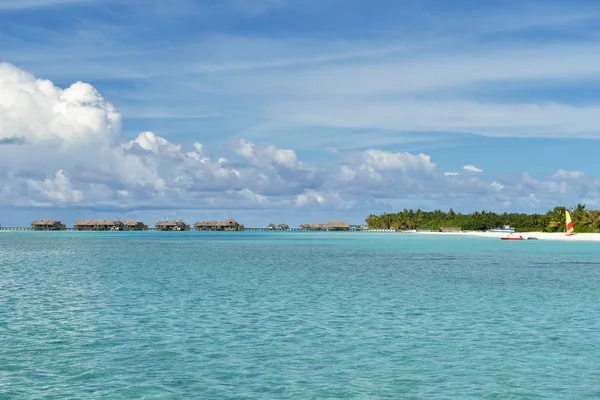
(504, 229)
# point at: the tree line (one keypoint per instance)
(584, 220)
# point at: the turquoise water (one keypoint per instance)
(296, 315)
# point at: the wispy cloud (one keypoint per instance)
(472, 168)
(8, 5)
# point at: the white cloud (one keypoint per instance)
(497, 185)
(157, 145)
(261, 155)
(450, 173)
(472, 168)
(58, 190)
(561, 174)
(310, 198)
(77, 114)
(405, 162)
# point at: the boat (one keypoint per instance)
(512, 238)
(569, 224)
(504, 229)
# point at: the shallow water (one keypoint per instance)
(296, 315)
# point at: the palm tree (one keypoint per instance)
(579, 212)
(557, 218)
(592, 220)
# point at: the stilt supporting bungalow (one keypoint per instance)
(48, 225)
(227, 225)
(278, 227)
(328, 226)
(172, 226)
(98, 225)
(134, 225)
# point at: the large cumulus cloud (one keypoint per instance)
(65, 147)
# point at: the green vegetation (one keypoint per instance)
(584, 220)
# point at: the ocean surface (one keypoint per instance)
(188, 315)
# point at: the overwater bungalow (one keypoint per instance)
(278, 227)
(336, 226)
(227, 225)
(172, 226)
(134, 225)
(206, 225)
(231, 224)
(328, 226)
(48, 225)
(98, 225)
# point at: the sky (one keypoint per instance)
(281, 111)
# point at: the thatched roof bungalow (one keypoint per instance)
(278, 227)
(328, 226)
(206, 225)
(48, 225)
(172, 226)
(227, 225)
(98, 225)
(336, 226)
(134, 225)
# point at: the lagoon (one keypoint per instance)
(111, 315)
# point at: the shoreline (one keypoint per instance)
(561, 236)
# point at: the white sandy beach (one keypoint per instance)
(580, 237)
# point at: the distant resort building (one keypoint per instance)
(48, 225)
(227, 225)
(448, 229)
(172, 226)
(98, 225)
(328, 226)
(134, 225)
(278, 227)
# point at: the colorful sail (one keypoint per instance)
(569, 224)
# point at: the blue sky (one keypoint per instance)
(509, 88)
